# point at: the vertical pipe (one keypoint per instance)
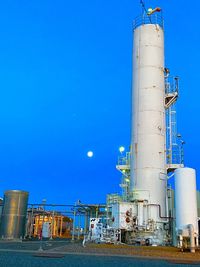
(52, 224)
(31, 226)
(78, 226)
(170, 134)
(85, 223)
(97, 211)
(61, 225)
(140, 214)
(192, 240)
(74, 221)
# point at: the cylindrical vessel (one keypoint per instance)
(186, 199)
(148, 165)
(14, 214)
(46, 230)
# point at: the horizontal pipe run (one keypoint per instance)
(159, 208)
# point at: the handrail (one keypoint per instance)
(171, 84)
(155, 18)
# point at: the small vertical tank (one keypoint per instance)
(13, 218)
(186, 199)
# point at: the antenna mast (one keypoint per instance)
(144, 10)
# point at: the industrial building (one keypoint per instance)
(49, 224)
(149, 211)
(20, 220)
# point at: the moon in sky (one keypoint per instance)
(90, 154)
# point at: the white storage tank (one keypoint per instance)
(186, 200)
(46, 230)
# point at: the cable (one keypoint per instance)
(143, 5)
(145, 10)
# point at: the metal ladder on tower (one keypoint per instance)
(174, 146)
(123, 166)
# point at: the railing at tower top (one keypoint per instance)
(175, 155)
(155, 18)
(171, 84)
(123, 165)
(124, 159)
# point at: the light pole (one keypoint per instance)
(74, 219)
(43, 205)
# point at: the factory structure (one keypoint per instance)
(21, 220)
(149, 211)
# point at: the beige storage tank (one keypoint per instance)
(13, 218)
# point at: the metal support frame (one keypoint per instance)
(123, 166)
(56, 212)
(174, 150)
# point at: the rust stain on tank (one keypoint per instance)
(136, 148)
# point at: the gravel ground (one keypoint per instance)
(32, 245)
(134, 251)
(74, 254)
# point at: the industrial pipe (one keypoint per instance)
(159, 208)
(192, 240)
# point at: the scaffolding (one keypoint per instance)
(65, 221)
(174, 146)
(123, 165)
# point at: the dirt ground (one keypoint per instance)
(66, 247)
(168, 253)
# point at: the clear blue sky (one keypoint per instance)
(65, 80)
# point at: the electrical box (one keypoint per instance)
(95, 228)
(123, 215)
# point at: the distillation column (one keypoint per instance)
(148, 165)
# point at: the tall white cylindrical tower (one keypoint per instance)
(148, 166)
